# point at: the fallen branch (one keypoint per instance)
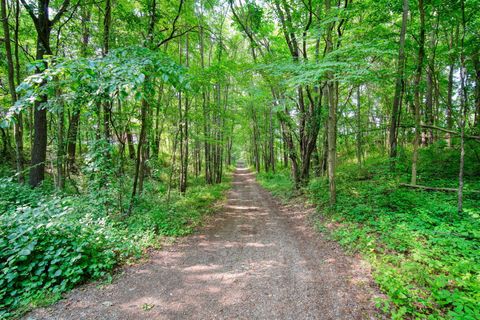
(449, 131)
(426, 188)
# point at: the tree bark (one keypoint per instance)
(359, 128)
(18, 125)
(75, 118)
(429, 114)
(399, 84)
(476, 64)
(60, 147)
(140, 156)
(463, 112)
(332, 119)
(418, 77)
(43, 26)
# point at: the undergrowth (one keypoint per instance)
(50, 243)
(425, 254)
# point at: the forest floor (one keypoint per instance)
(255, 259)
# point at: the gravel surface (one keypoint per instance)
(255, 259)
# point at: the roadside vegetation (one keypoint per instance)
(423, 252)
(119, 119)
(51, 241)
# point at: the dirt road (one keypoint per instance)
(255, 260)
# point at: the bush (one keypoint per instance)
(279, 184)
(424, 253)
(52, 247)
(49, 244)
(178, 216)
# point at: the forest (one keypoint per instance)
(122, 123)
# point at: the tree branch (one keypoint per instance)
(174, 26)
(30, 11)
(59, 14)
(426, 188)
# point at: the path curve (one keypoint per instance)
(255, 260)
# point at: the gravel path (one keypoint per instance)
(255, 260)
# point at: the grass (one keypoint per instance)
(424, 254)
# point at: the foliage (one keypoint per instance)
(48, 244)
(178, 216)
(424, 253)
(123, 74)
(141, 96)
(279, 183)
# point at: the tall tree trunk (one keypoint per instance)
(183, 114)
(39, 148)
(60, 147)
(106, 105)
(18, 126)
(139, 161)
(43, 26)
(332, 142)
(205, 109)
(107, 20)
(397, 99)
(418, 77)
(271, 142)
(476, 64)
(290, 147)
(131, 147)
(255, 139)
(359, 128)
(75, 118)
(463, 111)
(450, 103)
(429, 114)
(332, 118)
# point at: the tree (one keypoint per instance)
(418, 77)
(18, 126)
(399, 85)
(43, 26)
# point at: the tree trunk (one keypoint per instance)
(60, 148)
(107, 20)
(429, 114)
(75, 118)
(18, 126)
(332, 118)
(139, 162)
(397, 99)
(463, 112)
(332, 142)
(476, 64)
(43, 26)
(184, 174)
(450, 103)
(359, 129)
(418, 77)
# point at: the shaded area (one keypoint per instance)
(256, 260)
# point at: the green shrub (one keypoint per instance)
(279, 184)
(52, 247)
(180, 214)
(49, 244)
(424, 253)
